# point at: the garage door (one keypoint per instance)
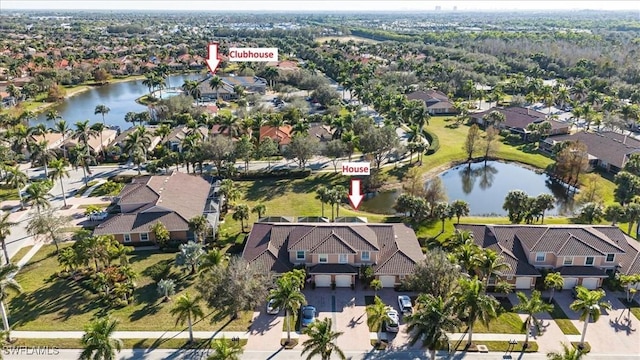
(388, 282)
(323, 280)
(570, 283)
(343, 280)
(523, 282)
(590, 283)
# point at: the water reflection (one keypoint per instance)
(493, 182)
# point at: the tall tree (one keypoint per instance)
(62, 127)
(190, 256)
(18, 179)
(432, 319)
(515, 203)
(377, 314)
(302, 148)
(102, 110)
(322, 341)
(568, 353)
(531, 306)
(7, 285)
(187, 309)
(288, 296)
(49, 225)
(459, 208)
(38, 196)
(58, 173)
(553, 281)
(5, 231)
(241, 213)
(589, 304)
(98, 341)
(225, 350)
(199, 225)
(472, 142)
(489, 145)
(259, 209)
(474, 304)
(544, 203)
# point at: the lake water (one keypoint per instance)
(485, 188)
(119, 97)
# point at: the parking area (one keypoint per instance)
(616, 332)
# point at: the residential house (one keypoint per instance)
(437, 102)
(583, 254)
(171, 199)
(174, 140)
(54, 140)
(120, 139)
(281, 135)
(518, 118)
(250, 84)
(607, 150)
(96, 142)
(333, 253)
(320, 131)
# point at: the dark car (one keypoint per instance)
(307, 315)
(574, 292)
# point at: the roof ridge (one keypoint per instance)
(326, 238)
(603, 236)
(585, 243)
(311, 228)
(540, 238)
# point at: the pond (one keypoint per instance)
(484, 188)
(119, 97)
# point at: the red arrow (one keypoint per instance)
(355, 198)
(213, 59)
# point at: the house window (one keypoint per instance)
(323, 258)
(342, 258)
(568, 261)
(540, 257)
(610, 257)
(509, 277)
(127, 237)
(588, 260)
(300, 255)
(144, 237)
(365, 256)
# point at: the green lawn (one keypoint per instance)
(21, 253)
(563, 321)
(8, 193)
(499, 346)
(50, 303)
(85, 188)
(168, 343)
(634, 307)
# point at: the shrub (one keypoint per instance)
(434, 141)
(274, 174)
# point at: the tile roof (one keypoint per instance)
(514, 242)
(610, 147)
(515, 117)
(397, 244)
(178, 195)
(281, 135)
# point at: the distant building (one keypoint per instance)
(437, 102)
(518, 118)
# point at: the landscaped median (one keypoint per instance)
(497, 346)
(562, 320)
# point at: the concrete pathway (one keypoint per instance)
(90, 189)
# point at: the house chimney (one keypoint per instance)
(625, 139)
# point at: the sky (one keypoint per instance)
(316, 5)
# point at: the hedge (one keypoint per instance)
(434, 142)
(273, 174)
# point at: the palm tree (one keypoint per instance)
(99, 129)
(199, 225)
(187, 309)
(38, 196)
(287, 296)
(474, 304)
(568, 353)
(459, 208)
(322, 194)
(7, 284)
(62, 128)
(16, 178)
(225, 350)
(489, 263)
(531, 306)
(553, 281)
(212, 259)
(84, 132)
(260, 209)
(377, 314)
(241, 213)
(97, 341)
(589, 306)
(59, 172)
(40, 152)
(322, 341)
(5, 231)
(102, 110)
(163, 131)
(216, 83)
(431, 321)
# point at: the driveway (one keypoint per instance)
(346, 308)
(265, 331)
(399, 341)
(614, 333)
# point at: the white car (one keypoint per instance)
(272, 310)
(98, 216)
(393, 323)
(404, 304)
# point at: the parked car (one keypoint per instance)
(404, 304)
(308, 315)
(393, 323)
(272, 310)
(98, 215)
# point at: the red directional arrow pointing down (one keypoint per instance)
(355, 198)
(213, 60)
